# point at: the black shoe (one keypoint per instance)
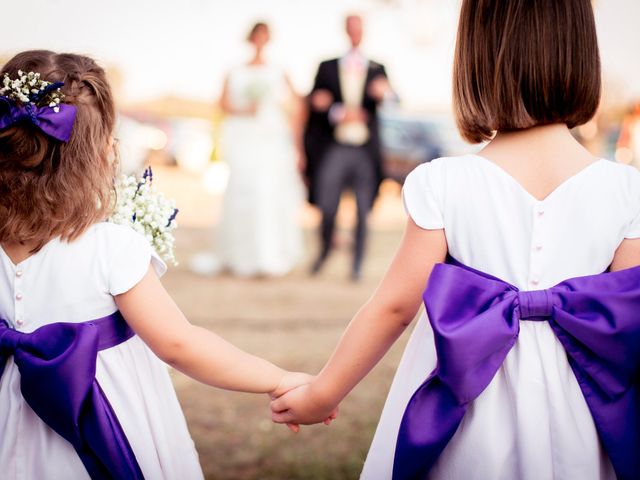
(356, 276)
(317, 266)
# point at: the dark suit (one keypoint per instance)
(332, 167)
(318, 134)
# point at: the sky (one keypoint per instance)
(183, 48)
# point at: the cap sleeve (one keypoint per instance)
(633, 230)
(130, 255)
(420, 195)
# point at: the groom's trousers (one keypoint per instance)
(343, 167)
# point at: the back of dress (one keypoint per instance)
(72, 283)
(532, 421)
(494, 225)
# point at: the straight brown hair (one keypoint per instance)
(522, 63)
(49, 188)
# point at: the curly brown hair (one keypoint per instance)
(49, 188)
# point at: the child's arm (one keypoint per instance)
(371, 332)
(196, 351)
(627, 255)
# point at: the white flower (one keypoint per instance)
(138, 205)
(29, 85)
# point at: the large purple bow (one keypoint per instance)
(476, 320)
(58, 125)
(57, 366)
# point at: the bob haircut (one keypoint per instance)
(49, 188)
(522, 63)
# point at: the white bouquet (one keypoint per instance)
(256, 91)
(148, 212)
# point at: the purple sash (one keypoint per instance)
(57, 365)
(476, 321)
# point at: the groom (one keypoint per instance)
(341, 139)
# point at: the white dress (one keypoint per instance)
(259, 230)
(531, 422)
(76, 282)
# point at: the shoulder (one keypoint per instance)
(235, 69)
(618, 174)
(114, 231)
(105, 232)
(620, 170)
(112, 239)
(325, 64)
(424, 193)
(623, 180)
(124, 255)
(102, 242)
(445, 165)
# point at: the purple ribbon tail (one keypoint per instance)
(106, 453)
(431, 419)
(618, 424)
(57, 365)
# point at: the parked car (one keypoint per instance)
(408, 139)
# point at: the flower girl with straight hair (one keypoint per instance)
(526, 364)
(82, 311)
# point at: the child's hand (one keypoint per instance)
(300, 406)
(289, 381)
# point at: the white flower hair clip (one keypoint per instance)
(30, 88)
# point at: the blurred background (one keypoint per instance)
(167, 62)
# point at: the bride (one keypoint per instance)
(258, 233)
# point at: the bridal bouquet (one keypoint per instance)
(147, 211)
(256, 91)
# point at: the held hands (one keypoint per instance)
(289, 381)
(354, 114)
(302, 405)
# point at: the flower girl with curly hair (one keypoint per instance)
(83, 315)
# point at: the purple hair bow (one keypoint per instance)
(58, 125)
(476, 320)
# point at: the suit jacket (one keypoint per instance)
(318, 134)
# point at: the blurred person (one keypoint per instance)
(259, 232)
(628, 147)
(341, 139)
(525, 364)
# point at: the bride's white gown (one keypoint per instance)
(259, 232)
